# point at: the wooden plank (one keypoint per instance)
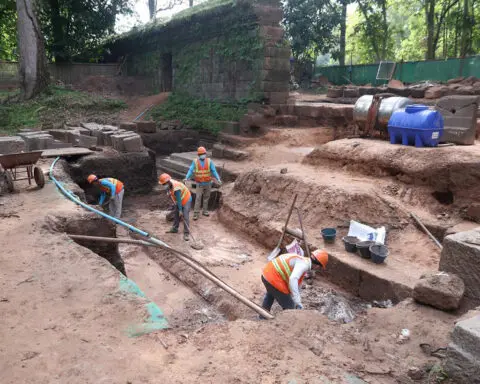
(72, 151)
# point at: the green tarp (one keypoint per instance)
(408, 72)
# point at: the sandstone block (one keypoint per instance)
(146, 127)
(59, 134)
(87, 141)
(38, 141)
(461, 256)
(440, 290)
(11, 144)
(461, 366)
(221, 151)
(128, 126)
(133, 144)
(436, 92)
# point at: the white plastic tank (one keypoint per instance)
(387, 107)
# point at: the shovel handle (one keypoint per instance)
(288, 219)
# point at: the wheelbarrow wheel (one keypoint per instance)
(9, 182)
(39, 177)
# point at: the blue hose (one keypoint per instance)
(76, 200)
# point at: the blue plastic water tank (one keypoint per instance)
(416, 125)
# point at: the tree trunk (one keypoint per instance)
(430, 20)
(465, 30)
(34, 76)
(343, 28)
(152, 8)
(385, 29)
(190, 3)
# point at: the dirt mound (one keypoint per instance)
(335, 201)
(448, 169)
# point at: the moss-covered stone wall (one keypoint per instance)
(232, 52)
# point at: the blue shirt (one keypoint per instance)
(110, 186)
(202, 162)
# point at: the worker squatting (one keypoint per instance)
(282, 276)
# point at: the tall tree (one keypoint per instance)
(34, 75)
(375, 28)
(435, 14)
(152, 8)
(75, 26)
(310, 26)
(343, 31)
(8, 36)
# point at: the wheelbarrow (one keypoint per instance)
(20, 166)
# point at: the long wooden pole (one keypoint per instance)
(416, 218)
(151, 241)
(307, 248)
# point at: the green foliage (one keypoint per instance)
(197, 113)
(202, 7)
(8, 36)
(74, 27)
(51, 106)
(311, 26)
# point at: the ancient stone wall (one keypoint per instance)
(232, 52)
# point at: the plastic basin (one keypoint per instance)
(350, 243)
(378, 253)
(329, 235)
(363, 248)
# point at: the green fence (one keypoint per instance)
(408, 72)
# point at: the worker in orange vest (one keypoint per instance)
(112, 188)
(203, 171)
(182, 198)
(283, 276)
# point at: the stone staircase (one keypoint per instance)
(177, 165)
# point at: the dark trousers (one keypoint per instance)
(186, 217)
(285, 301)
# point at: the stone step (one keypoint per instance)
(179, 163)
(185, 157)
(171, 164)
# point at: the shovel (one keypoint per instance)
(277, 249)
(195, 245)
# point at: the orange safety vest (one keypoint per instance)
(117, 183)
(277, 272)
(184, 192)
(202, 174)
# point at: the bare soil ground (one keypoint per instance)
(64, 316)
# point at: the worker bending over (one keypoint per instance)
(182, 198)
(202, 170)
(283, 276)
(111, 188)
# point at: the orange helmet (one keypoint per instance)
(164, 178)
(92, 178)
(321, 257)
(201, 151)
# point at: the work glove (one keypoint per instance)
(184, 181)
(298, 306)
(180, 214)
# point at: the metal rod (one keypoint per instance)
(416, 218)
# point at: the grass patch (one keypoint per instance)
(54, 106)
(198, 114)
